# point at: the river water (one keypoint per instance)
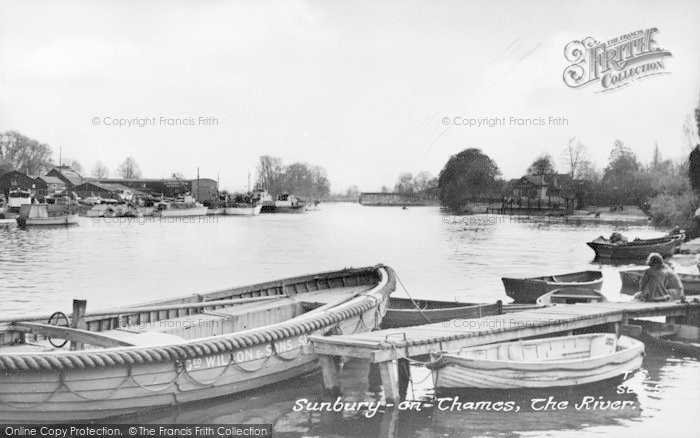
(115, 262)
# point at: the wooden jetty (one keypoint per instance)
(387, 348)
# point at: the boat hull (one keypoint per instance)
(527, 290)
(631, 251)
(98, 384)
(678, 338)
(631, 278)
(244, 211)
(401, 315)
(181, 212)
(71, 219)
(452, 371)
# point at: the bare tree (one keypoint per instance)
(73, 164)
(129, 169)
(574, 156)
(99, 171)
(270, 173)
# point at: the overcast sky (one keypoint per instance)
(359, 87)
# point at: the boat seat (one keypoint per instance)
(153, 339)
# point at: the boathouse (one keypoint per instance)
(15, 178)
(389, 199)
(204, 189)
(103, 190)
(49, 185)
(70, 177)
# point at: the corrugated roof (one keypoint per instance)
(50, 179)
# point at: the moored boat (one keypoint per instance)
(679, 338)
(244, 206)
(631, 278)
(406, 312)
(16, 198)
(571, 296)
(181, 207)
(42, 215)
(636, 249)
(286, 203)
(527, 290)
(196, 347)
(539, 363)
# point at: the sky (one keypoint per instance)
(358, 87)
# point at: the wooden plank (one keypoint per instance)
(71, 334)
(390, 381)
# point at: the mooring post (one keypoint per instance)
(404, 368)
(78, 321)
(330, 368)
(389, 371)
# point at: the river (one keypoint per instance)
(114, 262)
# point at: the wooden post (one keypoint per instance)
(78, 321)
(390, 380)
(330, 368)
(404, 369)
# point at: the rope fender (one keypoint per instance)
(14, 363)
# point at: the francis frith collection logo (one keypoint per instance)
(614, 63)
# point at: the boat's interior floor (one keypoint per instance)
(214, 322)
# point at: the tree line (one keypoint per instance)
(301, 179)
(27, 155)
(666, 189)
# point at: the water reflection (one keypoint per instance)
(110, 264)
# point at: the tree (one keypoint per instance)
(99, 171)
(424, 181)
(574, 156)
(469, 174)
(405, 183)
(24, 154)
(73, 164)
(384, 189)
(543, 165)
(352, 192)
(621, 180)
(305, 180)
(270, 171)
(129, 169)
(694, 168)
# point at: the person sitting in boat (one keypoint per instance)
(674, 285)
(653, 283)
(617, 239)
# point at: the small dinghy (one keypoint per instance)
(631, 278)
(679, 338)
(405, 312)
(571, 296)
(637, 249)
(527, 290)
(539, 363)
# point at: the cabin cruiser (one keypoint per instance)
(180, 207)
(286, 203)
(17, 197)
(244, 205)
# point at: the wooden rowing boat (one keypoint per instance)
(680, 338)
(527, 290)
(571, 296)
(181, 350)
(636, 249)
(540, 363)
(405, 312)
(632, 277)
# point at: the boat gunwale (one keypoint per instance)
(542, 279)
(446, 357)
(133, 355)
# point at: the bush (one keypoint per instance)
(671, 210)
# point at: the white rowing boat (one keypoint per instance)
(182, 350)
(539, 363)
